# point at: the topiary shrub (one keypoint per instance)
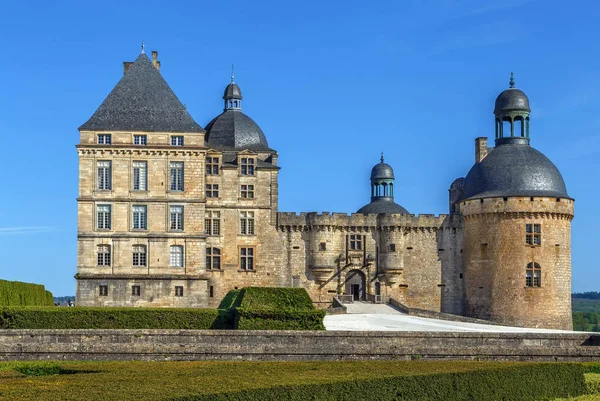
(37, 368)
(16, 293)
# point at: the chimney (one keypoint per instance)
(155, 61)
(126, 66)
(481, 149)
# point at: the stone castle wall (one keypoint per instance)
(496, 261)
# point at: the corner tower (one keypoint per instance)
(517, 217)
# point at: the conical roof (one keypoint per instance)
(142, 101)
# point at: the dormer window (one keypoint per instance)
(247, 166)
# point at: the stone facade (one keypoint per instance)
(471, 262)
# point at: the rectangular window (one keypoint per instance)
(247, 223)
(211, 291)
(212, 223)
(212, 166)
(140, 176)
(213, 258)
(176, 176)
(103, 290)
(141, 140)
(176, 218)
(212, 190)
(247, 258)
(178, 291)
(322, 246)
(177, 140)
(392, 247)
(136, 290)
(139, 255)
(356, 242)
(103, 222)
(248, 191)
(176, 256)
(533, 234)
(139, 217)
(103, 255)
(104, 175)
(247, 166)
(104, 139)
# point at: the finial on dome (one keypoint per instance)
(512, 80)
(143, 47)
(232, 75)
(382, 157)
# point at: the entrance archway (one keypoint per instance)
(356, 285)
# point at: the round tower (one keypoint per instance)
(517, 241)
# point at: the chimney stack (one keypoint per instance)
(126, 66)
(481, 149)
(155, 61)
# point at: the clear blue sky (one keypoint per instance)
(332, 84)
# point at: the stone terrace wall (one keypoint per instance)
(291, 345)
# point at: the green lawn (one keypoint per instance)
(256, 380)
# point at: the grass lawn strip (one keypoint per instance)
(168, 380)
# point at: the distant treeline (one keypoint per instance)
(64, 300)
(586, 295)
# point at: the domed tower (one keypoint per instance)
(517, 240)
(232, 129)
(382, 191)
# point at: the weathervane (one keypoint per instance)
(232, 75)
(382, 157)
(143, 47)
(512, 80)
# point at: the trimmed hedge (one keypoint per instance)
(269, 319)
(16, 293)
(111, 318)
(276, 298)
(523, 383)
(276, 308)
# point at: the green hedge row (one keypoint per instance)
(112, 318)
(276, 298)
(524, 383)
(270, 319)
(16, 293)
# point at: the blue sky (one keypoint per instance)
(330, 85)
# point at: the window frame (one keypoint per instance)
(177, 223)
(136, 290)
(104, 141)
(106, 217)
(533, 234)
(103, 290)
(247, 222)
(213, 165)
(248, 166)
(105, 180)
(209, 222)
(177, 140)
(106, 260)
(176, 176)
(142, 138)
(533, 275)
(212, 191)
(179, 291)
(355, 242)
(247, 192)
(142, 225)
(139, 257)
(245, 257)
(213, 257)
(174, 255)
(141, 164)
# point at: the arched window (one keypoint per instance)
(506, 127)
(213, 258)
(533, 275)
(519, 127)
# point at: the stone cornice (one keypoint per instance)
(139, 199)
(520, 215)
(138, 234)
(88, 276)
(115, 150)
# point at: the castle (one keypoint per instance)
(171, 214)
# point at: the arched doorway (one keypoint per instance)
(356, 285)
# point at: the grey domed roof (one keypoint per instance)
(514, 168)
(232, 129)
(382, 171)
(511, 99)
(232, 91)
(382, 206)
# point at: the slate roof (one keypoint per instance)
(142, 101)
(383, 205)
(233, 130)
(511, 99)
(232, 91)
(382, 171)
(513, 168)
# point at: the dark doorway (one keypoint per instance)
(356, 285)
